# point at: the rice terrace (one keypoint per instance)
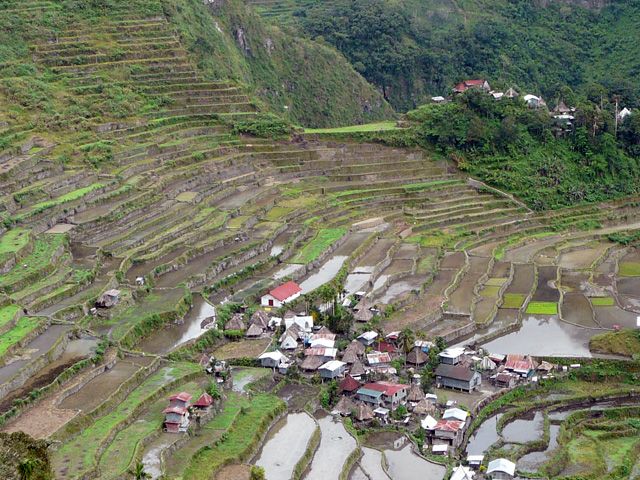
(231, 250)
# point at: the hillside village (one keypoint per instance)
(194, 287)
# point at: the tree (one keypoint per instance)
(407, 340)
(138, 472)
(27, 468)
(214, 391)
(257, 473)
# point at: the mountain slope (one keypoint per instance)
(417, 48)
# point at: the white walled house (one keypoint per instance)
(280, 295)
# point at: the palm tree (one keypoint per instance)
(26, 468)
(138, 472)
(407, 341)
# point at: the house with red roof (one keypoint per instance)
(383, 394)
(176, 415)
(476, 84)
(204, 402)
(448, 432)
(522, 365)
(282, 294)
(348, 385)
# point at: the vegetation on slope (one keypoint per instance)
(23, 457)
(308, 82)
(413, 49)
(516, 148)
(626, 342)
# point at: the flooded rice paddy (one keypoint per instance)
(174, 335)
(544, 335)
(404, 464)
(336, 444)
(285, 444)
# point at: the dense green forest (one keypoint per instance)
(413, 49)
(527, 152)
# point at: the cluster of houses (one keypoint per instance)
(179, 412)
(563, 116)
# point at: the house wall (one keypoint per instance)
(454, 383)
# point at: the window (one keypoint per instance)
(271, 302)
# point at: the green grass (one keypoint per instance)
(238, 441)
(7, 313)
(66, 198)
(629, 269)
(277, 213)
(81, 450)
(23, 327)
(118, 457)
(34, 263)
(625, 342)
(513, 300)
(490, 291)
(237, 222)
(321, 242)
(602, 301)
(369, 127)
(542, 308)
(14, 240)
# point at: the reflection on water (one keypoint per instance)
(326, 273)
(534, 460)
(404, 465)
(484, 436)
(524, 430)
(335, 446)
(544, 335)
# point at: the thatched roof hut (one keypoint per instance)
(312, 363)
(254, 331)
(417, 357)
(344, 407)
(260, 318)
(235, 323)
(415, 394)
(349, 356)
(357, 369)
(424, 407)
(363, 412)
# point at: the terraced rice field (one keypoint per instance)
(169, 195)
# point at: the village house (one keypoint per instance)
(323, 353)
(344, 407)
(457, 377)
(321, 342)
(332, 369)
(357, 370)
(304, 322)
(383, 394)
(455, 414)
(272, 359)
(203, 404)
(260, 318)
(368, 338)
(522, 365)
(505, 380)
(377, 359)
(288, 343)
(280, 295)
(462, 473)
(312, 363)
(417, 357)
(447, 432)
(254, 331)
(236, 322)
(477, 84)
(348, 385)
(177, 413)
(501, 469)
(451, 355)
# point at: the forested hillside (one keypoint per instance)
(412, 49)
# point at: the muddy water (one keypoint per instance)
(525, 253)
(285, 445)
(356, 282)
(151, 458)
(287, 270)
(98, 389)
(629, 286)
(336, 444)
(582, 258)
(144, 268)
(460, 299)
(485, 436)
(534, 460)
(608, 317)
(371, 465)
(523, 277)
(376, 254)
(544, 335)
(401, 287)
(34, 349)
(325, 274)
(546, 291)
(576, 309)
(523, 430)
(404, 464)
